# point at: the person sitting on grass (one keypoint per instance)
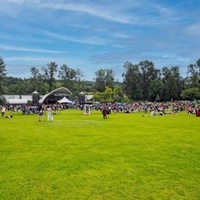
(198, 111)
(9, 116)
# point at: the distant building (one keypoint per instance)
(49, 98)
(88, 97)
(84, 98)
(18, 99)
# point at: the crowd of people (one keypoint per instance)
(27, 109)
(151, 108)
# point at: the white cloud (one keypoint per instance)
(15, 1)
(16, 48)
(27, 58)
(194, 29)
(91, 39)
(127, 13)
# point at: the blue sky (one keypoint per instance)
(98, 34)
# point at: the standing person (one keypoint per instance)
(40, 114)
(104, 112)
(3, 110)
(49, 114)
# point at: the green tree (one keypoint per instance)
(2, 75)
(192, 82)
(37, 82)
(194, 72)
(35, 79)
(21, 88)
(155, 90)
(191, 93)
(98, 96)
(71, 79)
(10, 83)
(172, 83)
(103, 78)
(118, 94)
(108, 95)
(49, 74)
(148, 74)
(89, 86)
(132, 81)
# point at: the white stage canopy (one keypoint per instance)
(64, 100)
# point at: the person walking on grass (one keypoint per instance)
(40, 114)
(3, 110)
(49, 114)
(104, 112)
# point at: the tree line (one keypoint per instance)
(141, 82)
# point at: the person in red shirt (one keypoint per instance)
(104, 112)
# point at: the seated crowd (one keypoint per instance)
(153, 108)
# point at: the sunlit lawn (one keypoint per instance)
(86, 157)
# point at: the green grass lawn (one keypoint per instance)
(86, 157)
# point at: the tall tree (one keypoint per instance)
(194, 72)
(132, 81)
(192, 89)
(172, 82)
(148, 74)
(71, 78)
(155, 90)
(21, 87)
(2, 75)
(118, 94)
(49, 74)
(108, 94)
(191, 94)
(103, 78)
(37, 81)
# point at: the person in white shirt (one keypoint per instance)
(3, 110)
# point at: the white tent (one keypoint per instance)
(64, 100)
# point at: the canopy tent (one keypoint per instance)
(64, 100)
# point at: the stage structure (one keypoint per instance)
(54, 96)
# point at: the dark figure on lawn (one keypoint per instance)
(104, 112)
(40, 114)
(198, 111)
